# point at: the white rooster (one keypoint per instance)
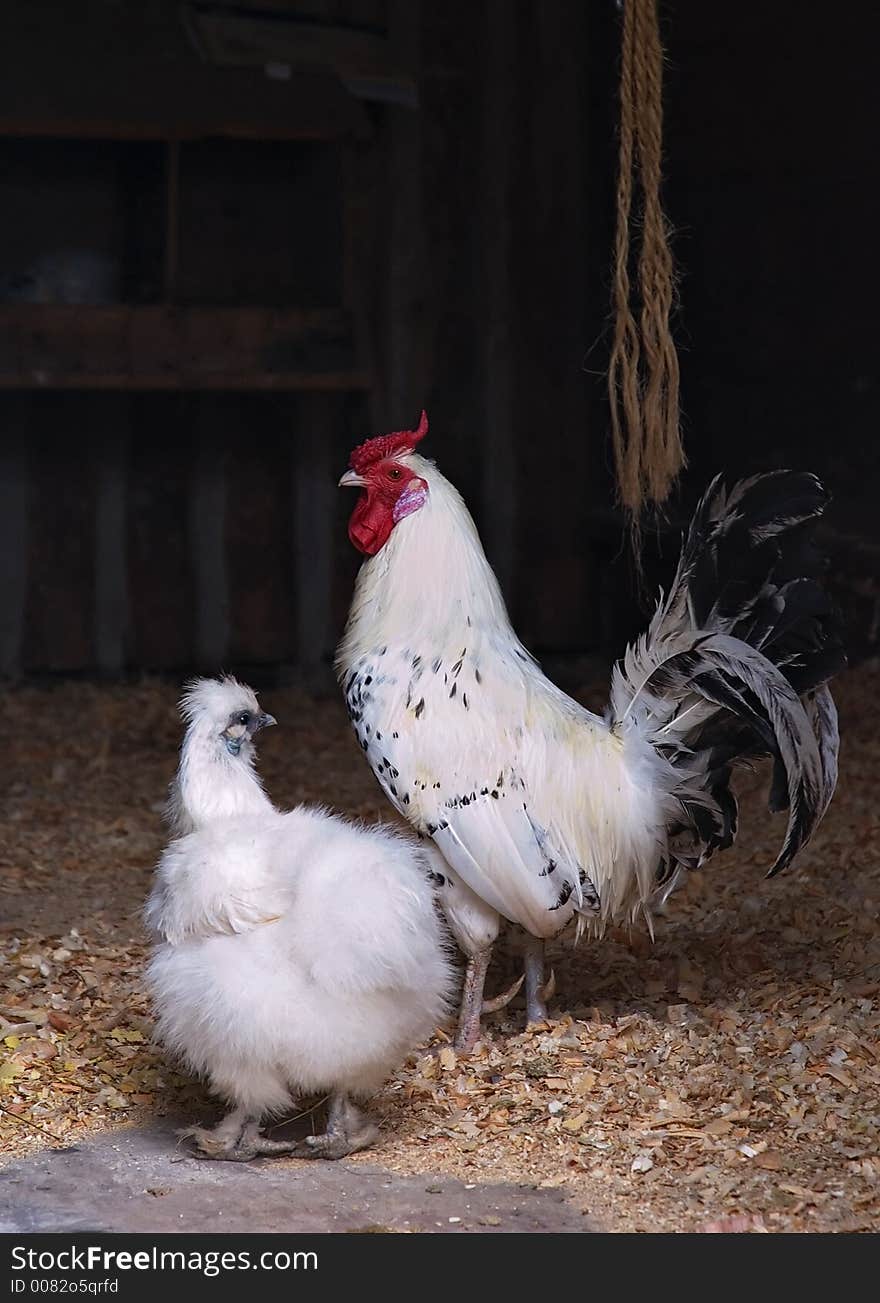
(543, 812)
(297, 954)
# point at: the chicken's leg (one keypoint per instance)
(348, 1130)
(538, 992)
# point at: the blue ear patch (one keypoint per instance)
(233, 745)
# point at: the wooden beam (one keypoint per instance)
(256, 382)
(208, 538)
(405, 272)
(129, 72)
(363, 277)
(499, 440)
(67, 346)
(551, 235)
(314, 501)
(13, 533)
(172, 219)
(109, 419)
(356, 50)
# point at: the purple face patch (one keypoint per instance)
(414, 496)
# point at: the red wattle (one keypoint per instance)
(370, 525)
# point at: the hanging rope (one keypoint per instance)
(643, 380)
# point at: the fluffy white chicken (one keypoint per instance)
(543, 812)
(296, 953)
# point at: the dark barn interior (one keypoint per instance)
(236, 238)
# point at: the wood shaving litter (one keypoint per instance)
(725, 1077)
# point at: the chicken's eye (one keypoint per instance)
(243, 718)
(394, 473)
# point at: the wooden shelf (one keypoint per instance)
(166, 348)
(362, 54)
(128, 72)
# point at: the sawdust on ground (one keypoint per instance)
(726, 1076)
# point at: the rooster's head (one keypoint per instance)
(391, 488)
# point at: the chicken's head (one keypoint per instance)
(391, 488)
(226, 710)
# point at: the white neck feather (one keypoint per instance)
(431, 583)
(211, 783)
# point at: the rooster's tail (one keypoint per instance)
(735, 665)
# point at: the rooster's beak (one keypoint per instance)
(351, 480)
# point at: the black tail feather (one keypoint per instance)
(736, 662)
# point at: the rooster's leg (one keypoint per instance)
(468, 1032)
(538, 991)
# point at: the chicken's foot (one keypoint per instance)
(348, 1130)
(238, 1138)
(233, 1139)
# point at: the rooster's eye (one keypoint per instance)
(243, 718)
(394, 473)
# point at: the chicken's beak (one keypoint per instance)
(351, 480)
(264, 721)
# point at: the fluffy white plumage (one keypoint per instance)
(297, 953)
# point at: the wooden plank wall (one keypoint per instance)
(169, 531)
(488, 290)
(14, 543)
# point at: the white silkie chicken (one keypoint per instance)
(543, 812)
(296, 953)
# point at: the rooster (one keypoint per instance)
(296, 953)
(539, 811)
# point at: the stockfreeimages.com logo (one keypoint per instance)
(209, 1262)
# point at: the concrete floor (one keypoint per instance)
(142, 1181)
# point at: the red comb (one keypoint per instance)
(387, 445)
